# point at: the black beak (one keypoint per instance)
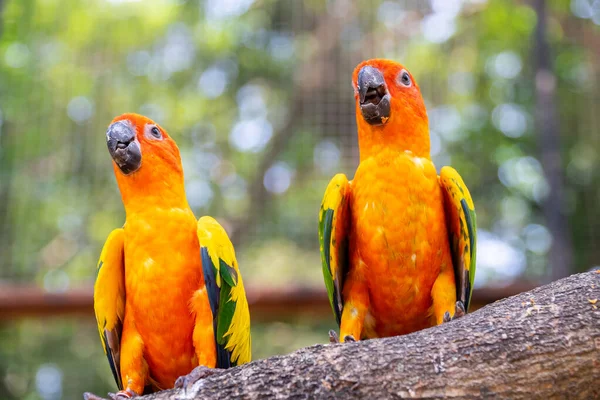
(122, 146)
(373, 96)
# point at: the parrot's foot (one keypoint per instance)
(334, 338)
(121, 395)
(459, 311)
(92, 396)
(200, 372)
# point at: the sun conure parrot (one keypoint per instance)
(169, 296)
(398, 241)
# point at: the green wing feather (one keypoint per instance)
(462, 232)
(226, 294)
(109, 300)
(333, 240)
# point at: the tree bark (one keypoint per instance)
(542, 344)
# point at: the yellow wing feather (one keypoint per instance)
(237, 337)
(333, 239)
(462, 229)
(109, 299)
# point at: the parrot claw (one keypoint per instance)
(459, 311)
(447, 317)
(123, 394)
(333, 337)
(92, 396)
(200, 372)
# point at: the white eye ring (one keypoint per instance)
(404, 78)
(153, 132)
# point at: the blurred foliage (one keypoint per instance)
(257, 94)
(64, 358)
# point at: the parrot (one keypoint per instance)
(397, 242)
(169, 298)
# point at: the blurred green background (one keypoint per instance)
(257, 93)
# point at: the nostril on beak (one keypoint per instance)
(120, 135)
(371, 84)
(122, 146)
(373, 96)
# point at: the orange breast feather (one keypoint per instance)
(399, 239)
(162, 271)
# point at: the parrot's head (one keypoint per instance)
(389, 108)
(146, 160)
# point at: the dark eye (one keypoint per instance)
(404, 79)
(156, 132)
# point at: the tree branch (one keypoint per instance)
(542, 344)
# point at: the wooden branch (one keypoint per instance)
(266, 304)
(542, 344)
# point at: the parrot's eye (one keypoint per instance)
(404, 78)
(155, 132)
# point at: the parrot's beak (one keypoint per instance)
(373, 96)
(123, 146)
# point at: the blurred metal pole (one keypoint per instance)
(560, 257)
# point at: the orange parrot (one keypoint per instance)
(169, 296)
(398, 241)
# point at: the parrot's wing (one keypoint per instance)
(109, 300)
(226, 294)
(333, 240)
(462, 231)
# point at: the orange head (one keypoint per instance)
(146, 162)
(390, 112)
